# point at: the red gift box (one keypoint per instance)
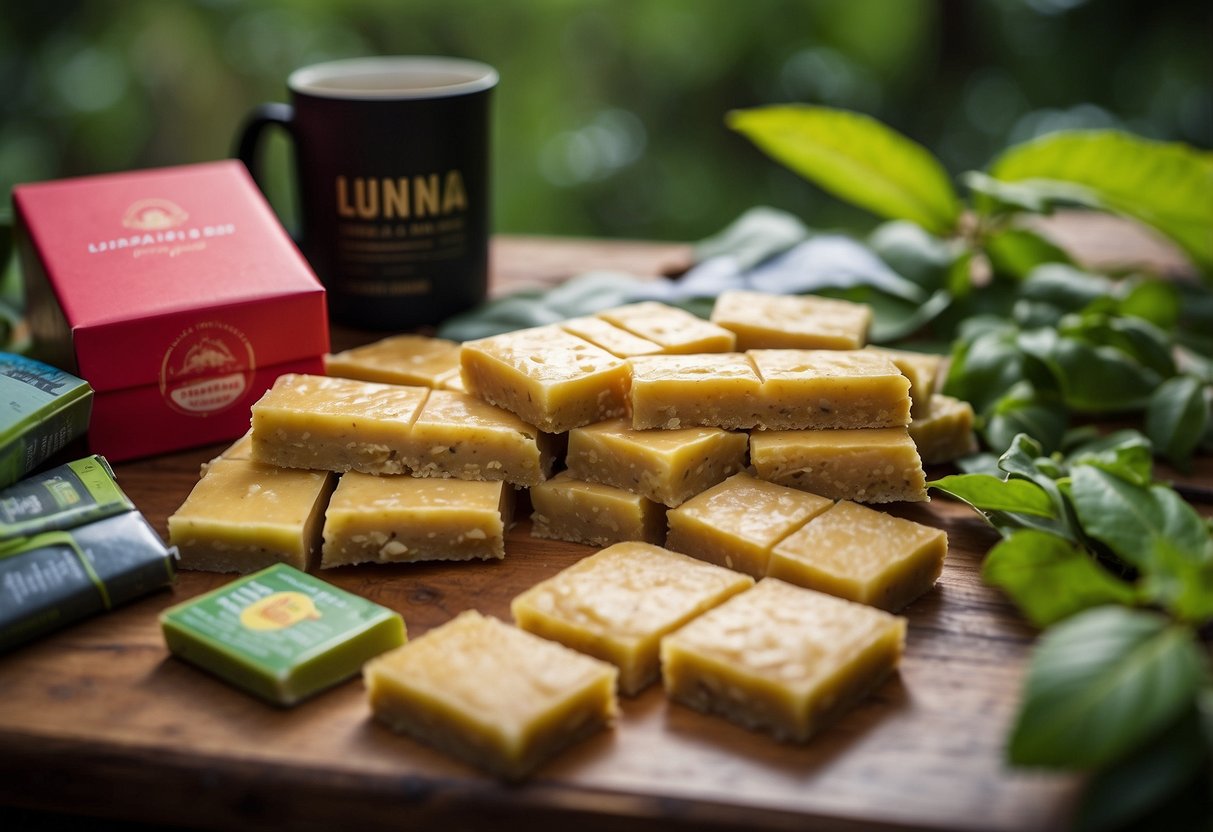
(175, 293)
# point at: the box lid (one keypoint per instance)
(172, 270)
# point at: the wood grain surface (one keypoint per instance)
(98, 719)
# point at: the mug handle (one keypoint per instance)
(262, 116)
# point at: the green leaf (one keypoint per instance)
(1181, 583)
(1024, 459)
(1033, 314)
(960, 275)
(1065, 287)
(856, 158)
(1102, 683)
(981, 370)
(1176, 418)
(1195, 355)
(1015, 252)
(1093, 378)
(1124, 453)
(755, 236)
(1024, 410)
(1169, 186)
(1131, 519)
(1152, 788)
(1195, 305)
(1138, 339)
(994, 300)
(1156, 301)
(988, 493)
(1007, 505)
(915, 254)
(1049, 578)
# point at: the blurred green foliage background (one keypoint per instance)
(609, 114)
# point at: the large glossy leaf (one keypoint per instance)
(856, 158)
(1049, 578)
(1007, 505)
(1132, 520)
(986, 493)
(1166, 185)
(1101, 684)
(1093, 378)
(1176, 418)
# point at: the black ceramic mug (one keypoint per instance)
(392, 169)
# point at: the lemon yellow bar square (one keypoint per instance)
(862, 555)
(922, 369)
(679, 391)
(667, 466)
(547, 377)
(490, 694)
(242, 516)
(335, 424)
(781, 659)
(402, 519)
(457, 435)
(765, 321)
(617, 604)
(871, 465)
(829, 389)
(946, 432)
(398, 359)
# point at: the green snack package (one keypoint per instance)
(62, 498)
(54, 578)
(281, 634)
(41, 410)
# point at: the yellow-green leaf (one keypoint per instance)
(856, 158)
(1166, 185)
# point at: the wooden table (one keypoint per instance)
(99, 719)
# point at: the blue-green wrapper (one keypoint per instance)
(41, 410)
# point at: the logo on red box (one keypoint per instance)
(207, 368)
(154, 214)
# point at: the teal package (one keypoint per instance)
(42, 409)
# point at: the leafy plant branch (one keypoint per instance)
(1118, 570)
(1036, 340)
(1115, 567)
